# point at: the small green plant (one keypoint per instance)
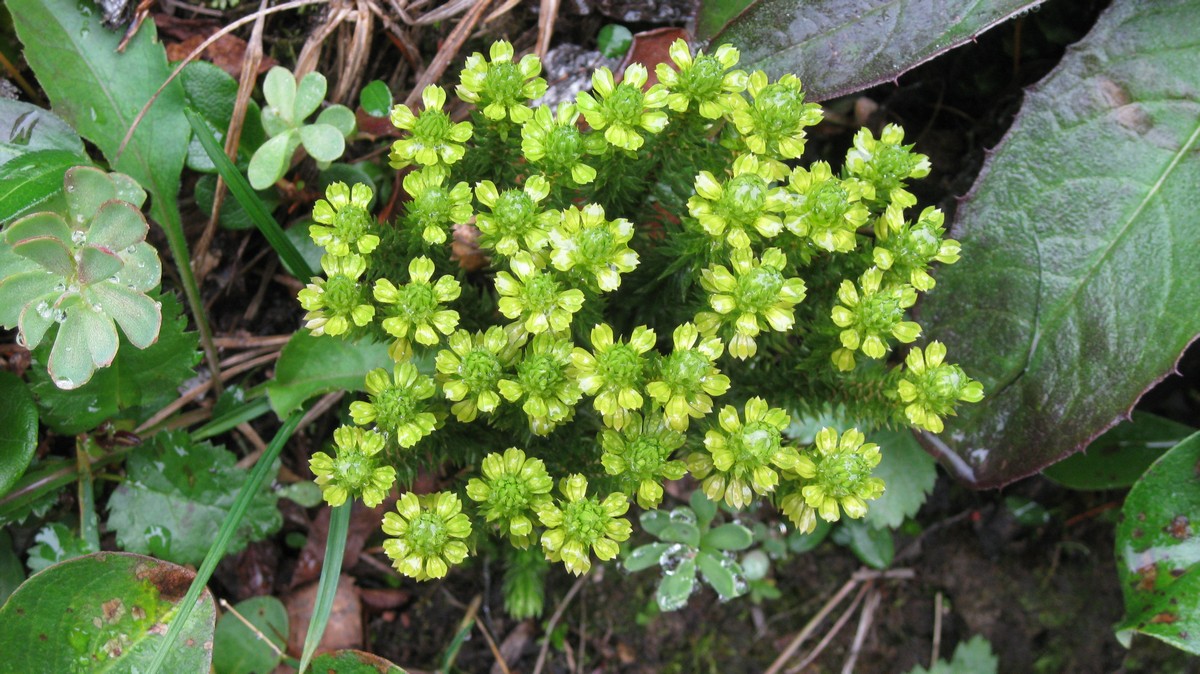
(85, 269)
(688, 545)
(288, 106)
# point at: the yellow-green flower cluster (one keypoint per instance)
(640, 456)
(546, 384)
(870, 314)
(704, 79)
(501, 88)
(614, 372)
(578, 525)
(624, 110)
(433, 138)
(471, 369)
(932, 388)
(397, 404)
(426, 534)
(587, 244)
(746, 203)
(688, 378)
(741, 459)
(435, 207)
(752, 298)
(514, 487)
(355, 470)
(835, 478)
(414, 310)
(886, 164)
(336, 302)
(342, 221)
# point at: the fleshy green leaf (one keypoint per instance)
(1119, 457)
(116, 226)
(86, 340)
(704, 509)
(279, 88)
(177, 493)
(26, 128)
(680, 532)
(33, 181)
(654, 521)
(614, 40)
(348, 661)
(323, 142)
(105, 612)
(271, 160)
(873, 547)
(1078, 281)
(309, 94)
(339, 117)
(311, 366)
(376, 99)
(644, 557)
(908, 474)
(18, 429)
(239, 650)
(837, 47)
(721, 577)
(728, 537)
(56, 543)
(1158, 551)
(676, 587)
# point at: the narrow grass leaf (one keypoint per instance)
(331, 570)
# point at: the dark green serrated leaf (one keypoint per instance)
(139, 382)
(873, 547)
(908, 474)
(176, 494)
(837, 47)
(35, 180)
(311, 366)
(1158, 551)
(103, 613)
(1078, 282)
(376, 99)
(53, 544)
(18, 429)
(237, 649)
(26, 128)
(348, 661)
(1119, 457)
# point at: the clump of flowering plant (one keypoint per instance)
(610, 349)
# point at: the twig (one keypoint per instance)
(547, 13)
(327, 401)
(864, 625)
(448, 51)
(225, 605)
(250, 341)
(936, 651)
(491, 642)
(833, 631)
(811, 626)
(562, 606)
(253, 438)
(468, 620)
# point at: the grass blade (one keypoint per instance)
(224, 535)
(331, 571)
(250, 202)
(247, 411)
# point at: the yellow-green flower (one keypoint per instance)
(772, 124)
(427, 535)
(886, 164)
(415, 309)
(688, 379)
(357, 470)
(624, 108)
(744, 203)
(470, 371)
(433, 137)
(578, 525)
(343, 220)
(435, 207)
(546, 381)
(932, 388)
(513, 487)
(705, 79)
(869, 317)
(909, 251)
(554, 143)
(513, 217)
(825, 209)
(742, 460)
(535, 298)
(397, 404)
(640, 456)
(502, 88)
(754, 297)
(338, 300)
(836, 474)
(614, 372)
(588, 244)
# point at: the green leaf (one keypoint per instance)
(233, 214)
(676, 586)
(644, 557)
(339, 117)
(376, 99)
(331, 572)
(310, 366)
(908, 473)
(271, 160)
(1078, 281)
(26, 128)
(18, 429)
(211, 91)
(1119, 457)
(306, 493)
(56, 543)
(349, 661)
(800, 543)
(139, 382)
(654, 521)
(970, 657)
(614, 40)
(1158, 551)
(680, 532)
(309, 94)
(323, 142)
(721, 577)
(33, 180)
(873, 547)
(279, 88)
(712, 15)
(12, 573)
(728, 537)
(104, 613)
(237, 649)
(176, 493)
(837, 47)
(704, 509)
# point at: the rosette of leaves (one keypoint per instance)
(688, 544)
(85, 270)
(288, 105)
